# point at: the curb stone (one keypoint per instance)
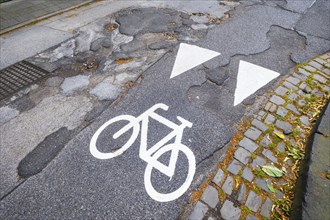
(248, 190)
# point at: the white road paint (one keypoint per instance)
(190, 56)
(153, 153)
(250, 78)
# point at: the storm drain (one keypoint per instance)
(19, 76)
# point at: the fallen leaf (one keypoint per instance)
(279, 135)
(272, 171)
(271, 188)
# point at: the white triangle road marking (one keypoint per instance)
(250, 78)
(190, 56)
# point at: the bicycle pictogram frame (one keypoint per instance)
(153, 153)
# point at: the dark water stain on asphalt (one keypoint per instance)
(44, 153)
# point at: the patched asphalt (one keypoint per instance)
(75, 178)
(77, 185)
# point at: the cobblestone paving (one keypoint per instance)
(276, 136)
(16, 12)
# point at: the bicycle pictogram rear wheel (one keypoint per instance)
(166, 197)
(100, 155)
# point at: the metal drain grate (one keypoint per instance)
(18, 76)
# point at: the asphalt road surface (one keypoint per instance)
(78, 185)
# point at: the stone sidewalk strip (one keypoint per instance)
(276, 137)
(19, 13)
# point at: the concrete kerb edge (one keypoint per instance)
(305, 133)
(44, 17)
(304, 168)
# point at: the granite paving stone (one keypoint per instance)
(290, 86)
(234, 167)
(307, 89)
(266, 208)
(281, 147)
(277, 100)
(293, 80)
(251, 217)
(281, 90)
(283, 125)
(316, 65)
(303, 85)
(317, 93)
(310, 69)
(278, 194)
(218, 177)
(271, 107)
(253, 201)
(320, 61)
(323, 74)
(241, 193)
(269, 119)
(267, 153)
(265, 141)
(299, 76)
(199, 211)
(252, 133)
(262, 113)
(304, 72)
(281, 111)
(242, 155)
(229, 211)
(262, 184)
(301, 92)
(302, 102)
(248, 144)
(293, 96)
(326, 88)
(325, 56)
(258, 124)
(228, 185)
(305, 120)
(247, 174)
(268, 105)
(292, 108)
(319, 78)
(210, 196)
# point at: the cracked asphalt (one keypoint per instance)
(70, 183)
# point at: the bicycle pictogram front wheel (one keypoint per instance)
(166, 197)
(131, 125)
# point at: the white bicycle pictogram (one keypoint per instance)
(152, 154)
